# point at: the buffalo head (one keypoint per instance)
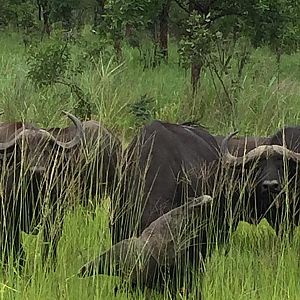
(270, 166)
(38, 148)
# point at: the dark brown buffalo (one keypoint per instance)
(160, 159)
(275, 168)
(47, 171)
(101, 155)
(167, 164)
(170, 162)
(144, 260)
(155, 170)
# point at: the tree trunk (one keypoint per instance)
(99, 12)
(164, 29)
(47, 28)
(40, 9)
(80, 19)
(118, 47)
(128, 30)
(195, 76)
(156, 57)
(196, 67)
(45, 14)
(66, 17)
(278, 62)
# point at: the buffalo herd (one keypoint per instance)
(175, 192)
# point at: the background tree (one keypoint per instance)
(99, 12)
(204, 25)
(272, 23)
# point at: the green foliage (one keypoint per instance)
(68, 11)
(277, 24)
(143, 109)
(62, 11)
(253, 268)
(249, 236)
(6, 13)
(49, 64)
(52, 64)
(83, 106)
(96, 46)
(26, 15)
(272, 23)
(198, 41)
(18, 13)
(135, 12)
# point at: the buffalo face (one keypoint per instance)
(270, 167)
(270, 173)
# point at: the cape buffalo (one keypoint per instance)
(167, 164)
(153, 181)
(144, 260)
(45, 171)
(275, 169)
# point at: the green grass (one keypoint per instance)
(253, 268)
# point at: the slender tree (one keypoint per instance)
(164, 28)
(99, 12)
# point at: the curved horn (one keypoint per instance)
(227, 157)
(286, 152)
(79, 136)
(266, 150)
(19, 133)
(230, 159)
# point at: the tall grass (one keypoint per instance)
(249, 270)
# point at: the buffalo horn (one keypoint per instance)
(20, 132)
(286, 152)
(79, 136)
(266, 150)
